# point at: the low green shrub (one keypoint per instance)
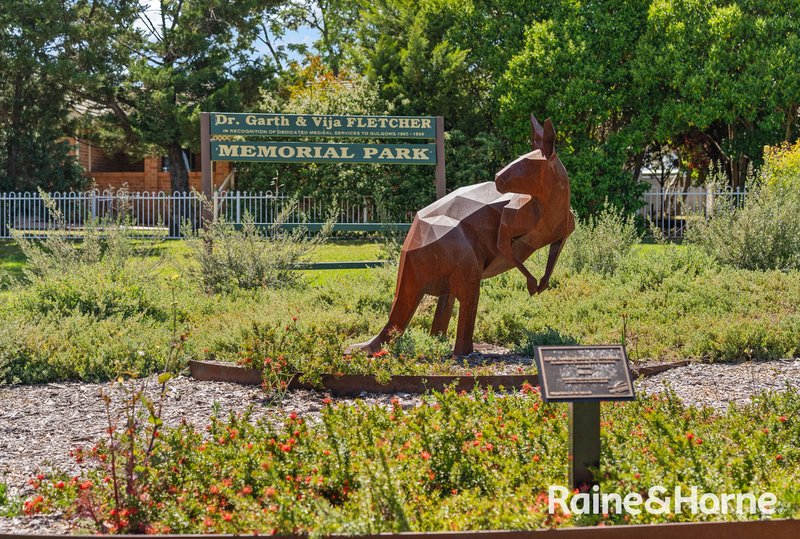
(421, 345)
(228, 258)
(95, 291)
(458, 462)
(10, 506)
(763, 234)
(648, 268)
(600, 243)
(81, 347)
(109, 272)
(283, 349)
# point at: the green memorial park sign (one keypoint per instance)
(233, 127)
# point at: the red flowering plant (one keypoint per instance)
(459, 461)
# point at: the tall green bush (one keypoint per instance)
(228, 258)
(109, 272)
(601, 242)
(763, 233)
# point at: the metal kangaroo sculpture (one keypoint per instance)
(480, 231)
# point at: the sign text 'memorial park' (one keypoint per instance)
(320, 125)
(308, 152)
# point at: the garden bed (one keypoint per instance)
(356, 384)
(39, 424)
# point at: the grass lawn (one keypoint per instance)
(12, 261)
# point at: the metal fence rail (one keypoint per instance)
(670, 211)
(152, 213)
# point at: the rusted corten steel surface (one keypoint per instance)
(355, 384)
(216, 371)
(766, 529)
(479, 231)
(655, 369)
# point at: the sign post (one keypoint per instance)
(205, 153)
(441, 181)
(584, 376)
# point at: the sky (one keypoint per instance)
(305, 35)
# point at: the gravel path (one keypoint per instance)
(718, 384)
(40, 424)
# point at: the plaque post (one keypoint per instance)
(584, 442)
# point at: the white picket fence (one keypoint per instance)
(151, 213)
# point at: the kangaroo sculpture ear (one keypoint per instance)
(548, 138)
(536, 134)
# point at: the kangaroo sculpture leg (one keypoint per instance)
(465, 284)
(467, 311)
(441, 318)
(552, 257)
(405, 304)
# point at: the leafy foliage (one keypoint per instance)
(601, 243)
(104, 275)
(33, 106)
(440, 466)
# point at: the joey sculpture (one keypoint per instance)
(480, 231)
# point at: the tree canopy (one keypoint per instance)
(697, 82)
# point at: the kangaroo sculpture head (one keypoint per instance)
(537, 170)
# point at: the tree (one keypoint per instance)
(575, 67)
(402, 48)
(34, 114)
(722, 76)
(183, 57)
(178, 58)
(333, 20)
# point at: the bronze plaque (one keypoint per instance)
(581, 373)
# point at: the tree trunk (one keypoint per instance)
(12, 140)
(179, 183)
(790, 118)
